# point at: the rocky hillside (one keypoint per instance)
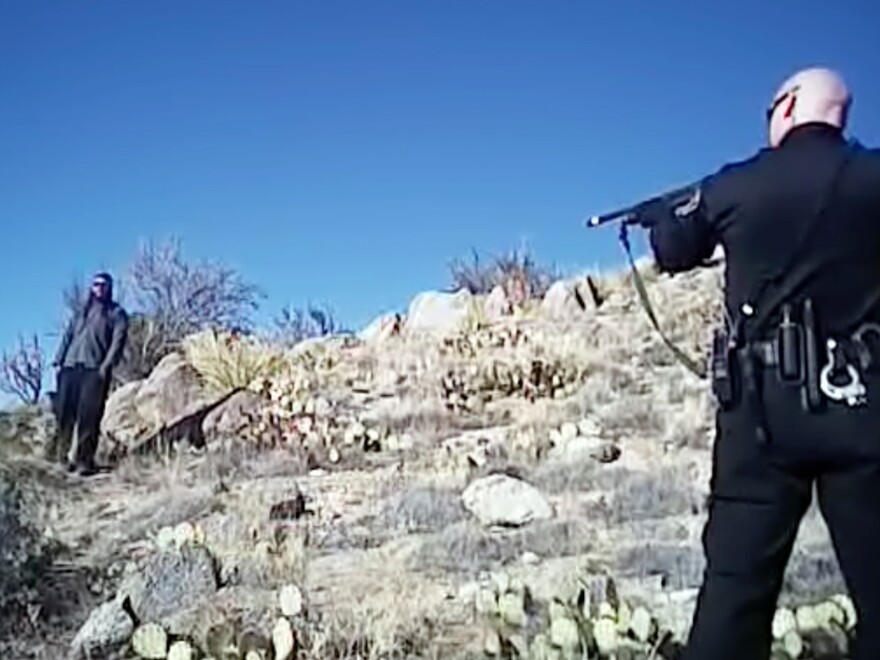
(477, 478)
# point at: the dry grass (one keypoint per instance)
(467, 549)
(421, 509)
(583, 475)
(681, 566)
(668, 492)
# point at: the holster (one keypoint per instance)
(811, 395)
(724, 371)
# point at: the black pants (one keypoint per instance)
(759, 494)
(80, 401)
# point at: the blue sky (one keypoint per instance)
(344, 152)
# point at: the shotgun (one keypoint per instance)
(630, 214)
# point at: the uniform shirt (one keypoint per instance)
(755, 209)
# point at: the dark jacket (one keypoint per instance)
(95, 338)
(757, 208)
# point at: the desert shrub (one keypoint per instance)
(293, 324)
(24, 553)
(517, 272)
(172, 298)
(21, 370)
(227, 362)
(422, 509)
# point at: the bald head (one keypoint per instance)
(811, 95)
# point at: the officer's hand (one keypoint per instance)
(103, 371)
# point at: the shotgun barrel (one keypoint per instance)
(630, 214)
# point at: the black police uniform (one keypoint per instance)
(822, 193)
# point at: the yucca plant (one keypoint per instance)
(226, 361)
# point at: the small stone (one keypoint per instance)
(290, 599)
(333, 455)
(181, 651)
(150, 642)
(282, 639)
(253, 655)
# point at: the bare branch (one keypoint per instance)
(174, 298)
(22, 371)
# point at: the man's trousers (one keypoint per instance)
(80, 401)
(758, 496)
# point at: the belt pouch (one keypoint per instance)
(790, 349)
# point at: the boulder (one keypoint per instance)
(381, 328)
(497, 304)
(439, 312)
(231, 417)
(570, 299)
(107, 629)
(168, 582)
(501, 500)
(168, 406)
(172, 389)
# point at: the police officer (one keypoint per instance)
(796, 369)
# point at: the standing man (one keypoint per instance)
(91, 347)
(796, 372)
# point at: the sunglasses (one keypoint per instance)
(99, 284)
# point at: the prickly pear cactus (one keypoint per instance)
(516, 625)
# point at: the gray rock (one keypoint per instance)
(169, 582)
(506, 501)
(108, 628)
(231, 417)
(565, 300)
(435, 311)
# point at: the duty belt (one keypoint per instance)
(838, 373)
